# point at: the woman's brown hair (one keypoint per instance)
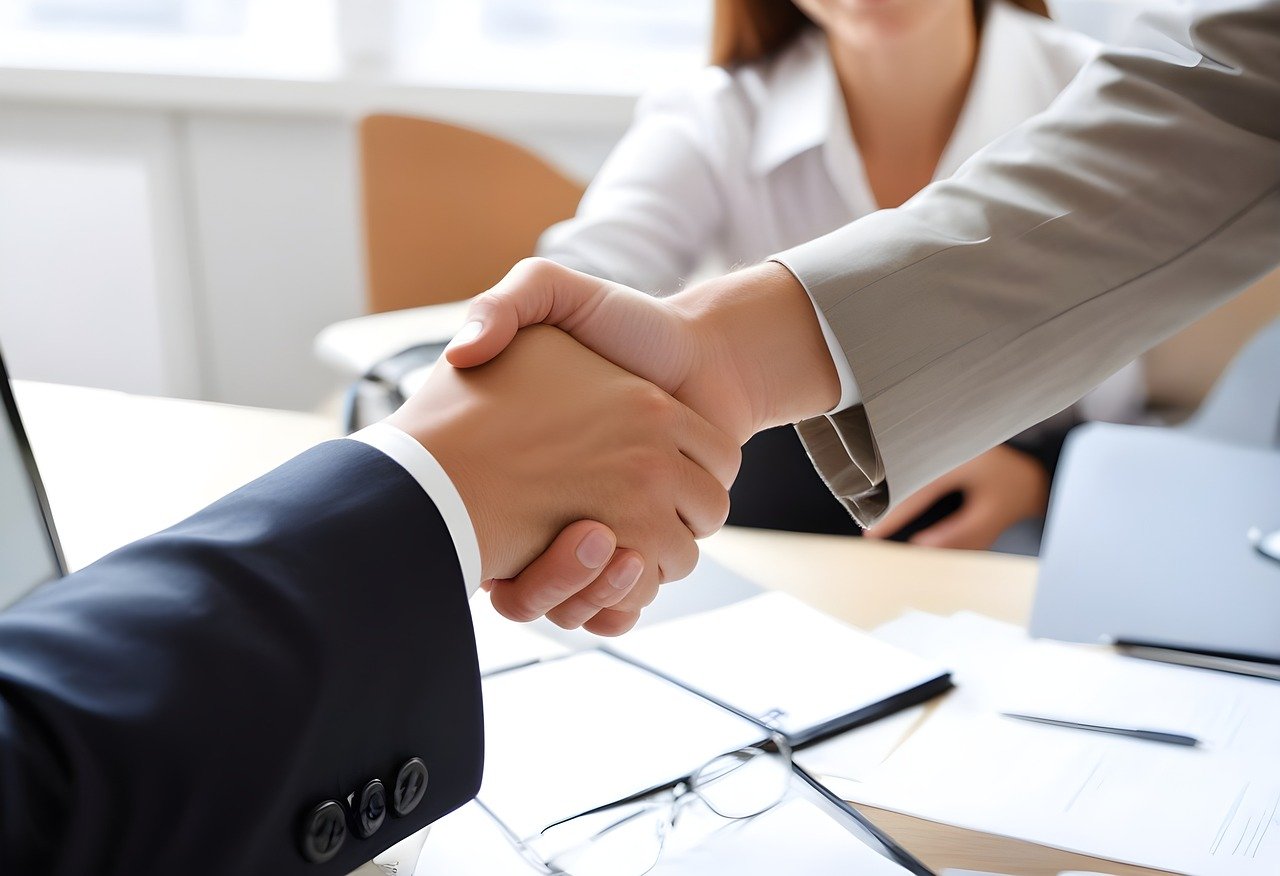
(747, 30)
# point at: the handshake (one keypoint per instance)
(593, 450)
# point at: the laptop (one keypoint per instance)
(30, 553)
(1152, 542)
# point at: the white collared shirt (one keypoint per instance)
(434, 480)
(734, 167)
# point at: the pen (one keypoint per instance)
(1131, 732)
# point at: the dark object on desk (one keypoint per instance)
(945, 506)
(1131, 732)
(380, 391)
(1216, 660)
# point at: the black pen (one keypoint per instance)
(1131, 732)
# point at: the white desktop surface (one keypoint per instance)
(117, 467)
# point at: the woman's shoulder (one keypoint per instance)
(725, 104)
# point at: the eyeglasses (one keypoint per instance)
(626, 837)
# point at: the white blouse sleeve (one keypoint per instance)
(655, 208)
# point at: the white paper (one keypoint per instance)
(467, 842)
(501, 643)
(856, 753)
(777, 659)
(1233, 716)
(1155, 805)
(795, 838)
(1209, 810)
(568, 735)
(974, 647)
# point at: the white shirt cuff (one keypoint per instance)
(418, 462)
(849, 393)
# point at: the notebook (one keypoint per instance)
(775, 660)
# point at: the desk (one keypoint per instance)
(117, 467)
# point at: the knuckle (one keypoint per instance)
(613, 622)
(515, 607)
(720, 511)
(658, 408)
(649, 593)
(644, 463)
(600, 596)
(536, 267)
(564, 621)
(681, 561)
(733, 460)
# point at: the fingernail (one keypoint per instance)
(467, 333)
(594, 550)
(626, 574)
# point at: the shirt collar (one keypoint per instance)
(1012, 81)
(799, 90)
(802, 108)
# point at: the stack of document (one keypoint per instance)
(1211, 809)
(665, 700)
(566, 735)
(569, 730)
(776, 660)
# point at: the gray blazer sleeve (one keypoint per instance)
(1146, 195)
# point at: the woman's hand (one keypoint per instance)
(1001, 487)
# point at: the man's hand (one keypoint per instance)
(746, 350)
(548, 434)
(1001, 487)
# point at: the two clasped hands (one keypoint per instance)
(591, 458)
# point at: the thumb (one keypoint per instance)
(534, 291)
(491, 325)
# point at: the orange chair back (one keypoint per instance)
(447, 210)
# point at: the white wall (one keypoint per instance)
(94, 284)
(196, 252)
(274, 204)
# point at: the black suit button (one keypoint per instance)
(411, 786)
(324, 830)
(369, 809)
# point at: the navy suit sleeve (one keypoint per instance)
(181, 705)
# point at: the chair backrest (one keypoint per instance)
(447, 210)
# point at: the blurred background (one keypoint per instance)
(190, 191)
(180, 179)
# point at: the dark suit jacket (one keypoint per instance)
(183, 704)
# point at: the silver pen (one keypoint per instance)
(1131, 732)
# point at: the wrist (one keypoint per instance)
(438, 431)
(760, 334)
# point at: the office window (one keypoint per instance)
(619, 46)
(577, 45)
(167, 16)
(666, 24)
